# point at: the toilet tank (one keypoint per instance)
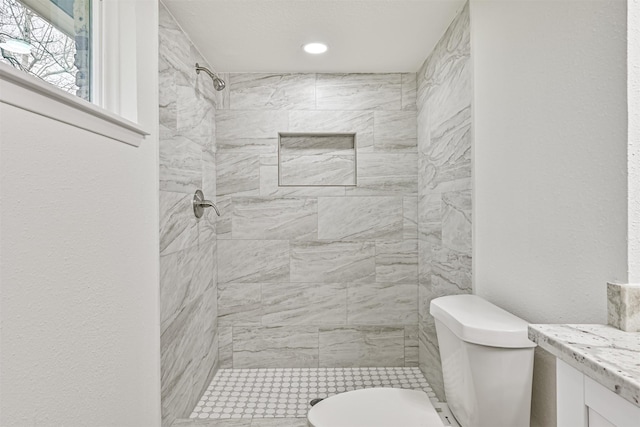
(487, 362)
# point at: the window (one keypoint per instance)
(80, 62)
(49, 39)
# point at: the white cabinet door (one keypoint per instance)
(582, 402)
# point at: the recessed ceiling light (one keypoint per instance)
(315, 48)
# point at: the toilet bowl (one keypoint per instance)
(487, 367)
(375, 407)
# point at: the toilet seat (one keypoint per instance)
(375, 407)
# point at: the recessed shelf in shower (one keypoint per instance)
(317, 159)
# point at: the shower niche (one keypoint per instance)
(317, 159)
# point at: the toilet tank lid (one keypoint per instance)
(475, 320)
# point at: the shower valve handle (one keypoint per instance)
(199, 203)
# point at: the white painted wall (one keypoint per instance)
(550, 119)
(633, 95)
(79, 267)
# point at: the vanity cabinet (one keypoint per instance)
(582, 402)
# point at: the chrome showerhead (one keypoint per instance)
(218, 83)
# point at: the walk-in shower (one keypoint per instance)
(218, 83)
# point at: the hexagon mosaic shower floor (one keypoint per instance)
(286, 392)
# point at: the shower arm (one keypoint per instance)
(206, 70)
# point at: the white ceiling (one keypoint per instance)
(267, 35)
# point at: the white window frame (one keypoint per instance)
(114, 111)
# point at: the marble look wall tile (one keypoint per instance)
(456, 220)
(344, 218)
(449, 152)
(223, 222)
(361, 346)
(180, 166)
(397, 261)
(382, 304)
(253, 261)
(430, 217)
(176, 366)
(269, 186)
(409, 91)
(304, 304)
(225, 349)
(429, 356)
(250, 124)
(275, 218)
(270, 159)
(254, 145)
(358, 92)
(358, 122)
(411, 351)
(239, 304)
(167, 96)
(238, 174)
(255, 91)
(318, 169)
(178, 225)
(207, 224)
(395, 130)
(184, 276)
(205, 327)
(332, 262)
(410, 217)
(448, 63)
(383, 186)
(195, 116)
(387, 164)
(275, 347)
(174, 46)
(425, 260)
(381, 174)
(452, 270)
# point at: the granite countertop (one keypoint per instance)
(606, 354)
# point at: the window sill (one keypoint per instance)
(32, 94)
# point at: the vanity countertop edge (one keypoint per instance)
(607, 355)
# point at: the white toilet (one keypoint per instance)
(487, 366)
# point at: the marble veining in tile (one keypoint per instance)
(249, 124)
(409, 91)
(360, 218)
(304, 304)
(239, 304)
(358, 122)
(253, 261)
(358, 92)
(178, 225)
(397, 261)
(382, 303)
(250, 91)
(180, 164)
(332, 262)
(353, 346)
(275, 218)
(275, 347)
(184, 276)
(269, 186)
(238, 174)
